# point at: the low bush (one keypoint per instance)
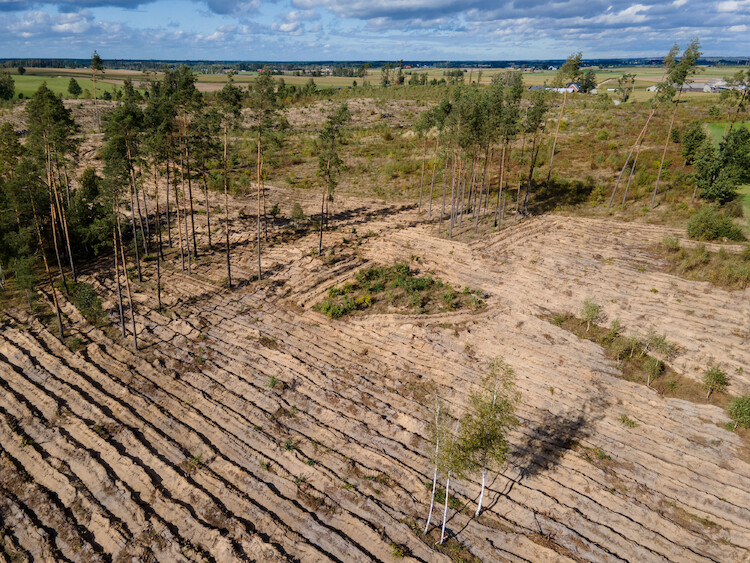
(710, 224)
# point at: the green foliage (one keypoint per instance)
(715, 379)
(591, 312)
(87, 301)
(692, 140)
(74, 89)
(739, 411)
(399, 551)
(298, 215)
(489, 419)
(401, 286)
(710, 224)
(627, 421)
(7, 86)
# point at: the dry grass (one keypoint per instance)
(632, 358)
(729, 270)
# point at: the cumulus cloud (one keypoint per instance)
(435, 29)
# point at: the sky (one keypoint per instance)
(304, 30)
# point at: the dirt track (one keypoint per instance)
(184, 450)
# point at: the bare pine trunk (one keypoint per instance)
(478, 203)
(666, 144)
(46, 269)
(96, 104)
(442, 208)
(554, 142)
(453, 197)
(179, 225)
(127, 285)
(159, 255)
(322, 204)
(421, 180)
(226, 204)
(625, 166)
(630, 178)
(500, 188)
(432, 183)
(169, 220)
(117, 279)
(190, 197)
(135, 235)
(260, 272)
(208, 209)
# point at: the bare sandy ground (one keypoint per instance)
(185, 450)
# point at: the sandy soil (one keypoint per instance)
(184, 450)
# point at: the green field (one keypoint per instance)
(716, 130)
(28, 84)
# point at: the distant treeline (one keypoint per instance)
(342, 68)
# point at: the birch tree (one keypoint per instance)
(488, 421)
(438, 433)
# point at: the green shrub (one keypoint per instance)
(709, 224)
(739, 411)
(87, 301)
(715, 379)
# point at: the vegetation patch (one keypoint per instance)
(87, 301)
(726, 269)
(710, 224)
(635, 355)
(396, 288)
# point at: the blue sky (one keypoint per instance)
(368, 29)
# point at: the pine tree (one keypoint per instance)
(230, 103)
(329, 161)
(97, 66)
(263, 103)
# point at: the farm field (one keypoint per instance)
(28, 84)
(645, 76)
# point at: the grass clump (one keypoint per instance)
(739, 411)
(726, 269)
(710, 224)
(627, 421)
(397, 287)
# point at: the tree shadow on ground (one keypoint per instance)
(553, 434)
(559, 193)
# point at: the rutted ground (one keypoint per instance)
(249, 426)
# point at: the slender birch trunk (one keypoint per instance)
(434, 476)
